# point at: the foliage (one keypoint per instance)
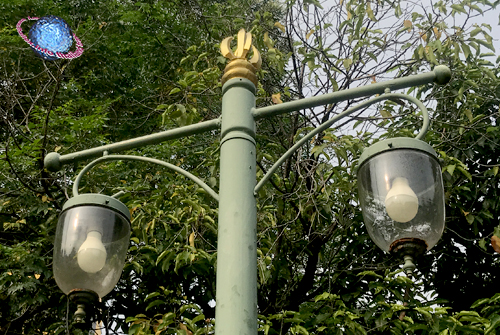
(155, 65)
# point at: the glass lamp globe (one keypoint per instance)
(401, 195)
(91, 244)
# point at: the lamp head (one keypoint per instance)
(401, 194)
(91, 243)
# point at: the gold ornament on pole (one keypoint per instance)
(239, 66)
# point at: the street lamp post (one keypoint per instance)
(393, 202)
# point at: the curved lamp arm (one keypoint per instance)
(89, 166)
(327, 124)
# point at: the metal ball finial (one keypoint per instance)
(52, 162)
(443, 74)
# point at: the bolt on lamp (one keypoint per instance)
(402, 196)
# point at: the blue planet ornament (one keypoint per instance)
(51, 38)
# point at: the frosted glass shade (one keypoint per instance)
(401, 193)
(91, 244)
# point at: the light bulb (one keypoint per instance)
(401, 202)
(92, 254)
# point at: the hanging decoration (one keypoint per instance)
(51, 38)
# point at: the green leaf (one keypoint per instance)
(347, 63)
(137, 267)
(488, 45)
(370, 273)
(424, 311)
(459, 8)
(431, 56)
(495, 323)
(475, 32)
(154, 303)
(465, 173)
(482, 244)
(466, 313)
(451, 169)
(325, 296)
(189, 306)
(134, 329)
(152, 295)
(198, 318)
(301, 330)
(162, 255)
(385, 113)
(372, 56)
(181, 260)
(466, 50)
(162, 106)
(294, 320)
(175, 90)
(318, 149)
(181, 110)
(468, 113)
(369, 12)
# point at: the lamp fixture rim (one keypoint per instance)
(395, 143)
(100, 200)
(83, 296)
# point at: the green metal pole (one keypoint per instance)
(440, 75)
(173, 167)
(236, 303)
(54, 161)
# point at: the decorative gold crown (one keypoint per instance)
(239, 66)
